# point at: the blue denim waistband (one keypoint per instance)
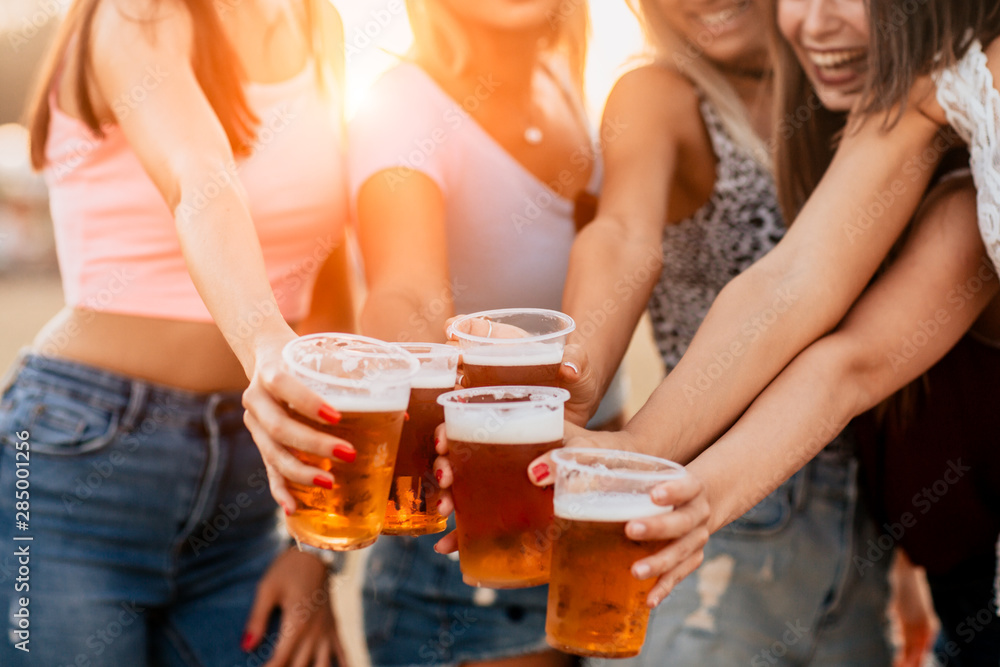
(113, 390)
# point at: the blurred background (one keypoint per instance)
(375, 30)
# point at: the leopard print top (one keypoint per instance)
(740, 222)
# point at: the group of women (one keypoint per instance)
(804, 194)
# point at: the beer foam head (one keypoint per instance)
(434, 380)
(505, 415)
(525, 354)
(347, 403)
(606, 506)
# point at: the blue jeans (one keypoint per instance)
(781, 585)
(149, 518)
(419, 612)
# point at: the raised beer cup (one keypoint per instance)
(368, 382)
(512, 346)
(596, 607)
(412, 508)
(504, 522)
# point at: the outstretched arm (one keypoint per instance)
(797, 292)
(901, 326)
(184, 149)
(616, 259)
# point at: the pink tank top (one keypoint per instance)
(115, 236)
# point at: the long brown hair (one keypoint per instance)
(216, 66)
(911, 39)
(805, 133)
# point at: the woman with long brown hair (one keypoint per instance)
(193, 155)
(788, 370)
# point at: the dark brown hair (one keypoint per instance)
(805, 133)
(215, 63)
(912, 38)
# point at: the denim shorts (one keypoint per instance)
(147, 521)
(793, 582)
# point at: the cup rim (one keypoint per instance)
(675, 470)
(568, 329)
(551, 396)
(434, 350)
(389, 350)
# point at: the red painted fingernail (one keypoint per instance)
(540, 471)
(344, 453)
(319, 480)
(406, 416)
(439, 474)
(288, 512)
(247, 643)
(329, 415)
(437, 441)
(439, 503)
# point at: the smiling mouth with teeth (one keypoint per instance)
(837, 59)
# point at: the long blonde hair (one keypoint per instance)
(669, 49)
(441, 30)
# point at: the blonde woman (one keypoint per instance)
(194, 164)
(467, 163)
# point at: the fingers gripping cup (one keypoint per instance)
(368, 382)
(596, 607)
(413, 496)
(512, 346)
(504, 522)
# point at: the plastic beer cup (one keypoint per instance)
(596, 607)
(412, 508)
(532, 359)
(368, 382)
(504, 522)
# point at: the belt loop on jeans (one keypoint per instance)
(138, 393)
(209, 478)
(15, 368)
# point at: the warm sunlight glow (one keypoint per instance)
(374, 31)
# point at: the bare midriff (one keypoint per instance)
(183, 354)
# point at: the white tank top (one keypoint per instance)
(509, 234)
(968, 95)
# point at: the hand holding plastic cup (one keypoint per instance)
(368, 382)
(596, 606)
(512, 346)
(413, 495)
(504, 521)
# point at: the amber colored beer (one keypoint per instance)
(596, 607)
(480, 375)
(504, 521)
(413, 495)
(349, 516)
(516, 367)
